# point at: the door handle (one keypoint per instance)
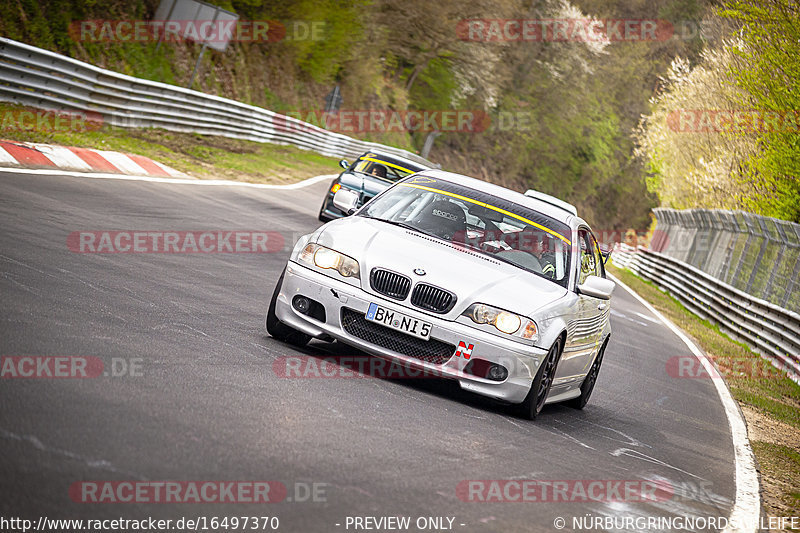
(602, 307)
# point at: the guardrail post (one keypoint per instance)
(744, 232)
(716, 250)
(793, 280)
(783, 240)
(760, 231)
(660, 233)
(729, 223)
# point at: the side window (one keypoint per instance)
(598, 258)
(589, 264)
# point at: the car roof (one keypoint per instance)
(558, 202)
(543, 207)
(395, 159)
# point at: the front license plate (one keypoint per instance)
(398, 321)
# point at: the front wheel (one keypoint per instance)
(588, 382)
(322, 217)
(533, 403)
(278, 329)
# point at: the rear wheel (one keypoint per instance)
(533, 403)
(588, 382)
(278, 329)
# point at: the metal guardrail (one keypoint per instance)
(768, 329)
(39, 78)
(755, 254)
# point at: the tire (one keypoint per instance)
(588, 382)
(533, 403)
(322, 216)
(278, 329)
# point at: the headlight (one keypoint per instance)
(504, 321)
(314, 254)
(507, 322)
(327, 258)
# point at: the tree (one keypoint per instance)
(768, 70)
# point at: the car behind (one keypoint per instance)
(368, 176)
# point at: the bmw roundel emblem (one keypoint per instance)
(419, 272)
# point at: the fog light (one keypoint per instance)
(302, 304)
(497, 373)
(484, 369)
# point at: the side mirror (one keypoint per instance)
(605, 252)
(597, 287)
(345, 201)
(344, 164)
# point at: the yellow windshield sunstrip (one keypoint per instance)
(388, 164)
(489, 206)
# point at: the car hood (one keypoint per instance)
(370, 185)
(471, 276)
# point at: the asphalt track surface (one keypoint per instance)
(208, 405)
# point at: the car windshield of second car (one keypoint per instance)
(487, 224)
(381, 169)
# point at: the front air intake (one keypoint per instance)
(390, 283)
(432, 298)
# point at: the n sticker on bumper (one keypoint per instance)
(464, 350)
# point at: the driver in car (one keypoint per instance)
(378, 170)
(543, 251)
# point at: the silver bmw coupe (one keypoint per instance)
(452, 276)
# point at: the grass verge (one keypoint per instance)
(769, 400)
(202, 156)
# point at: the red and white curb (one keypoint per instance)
(38, 155)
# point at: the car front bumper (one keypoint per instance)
(328, 210)
(521, 360)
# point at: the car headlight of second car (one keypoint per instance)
(505, 321)
(326, 258)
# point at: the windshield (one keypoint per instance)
(375, 166)
(487, 224)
